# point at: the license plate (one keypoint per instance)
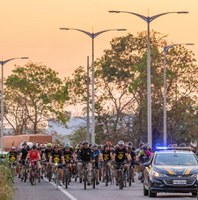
(179, 182)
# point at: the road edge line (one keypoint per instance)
(63, 191)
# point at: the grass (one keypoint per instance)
(6, 182)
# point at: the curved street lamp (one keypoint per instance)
(148, 20)
(93, 36)
(2, 63)
(166, 48)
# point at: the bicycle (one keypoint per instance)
(34, 173)
(12, 165)
(122, 176)
(24, 171)
(56, 174)
(49, 172)
(130, 174)
(85, 174)
(66, 175)
(109, 175)
(94, 179)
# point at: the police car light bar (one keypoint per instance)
(161, 148)
(174, 148)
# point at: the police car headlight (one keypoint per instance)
(195, 176)
(157, 175)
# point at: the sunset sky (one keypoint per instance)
(31, 28)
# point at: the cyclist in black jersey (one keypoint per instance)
(107, 157)
(85, 155)
(121, 156)
(56, 157)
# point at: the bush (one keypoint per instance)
(6, 183)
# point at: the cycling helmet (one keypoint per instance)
(182, 145)
(121, 142)
(105, 146)
(85, 142)
(49, 145)
(130, 144)
(67, 145)
(94, 145)
(24, 143)
(145, 147)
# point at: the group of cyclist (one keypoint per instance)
(100, 157)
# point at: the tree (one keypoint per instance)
(34, 93)
(121, 88)
(78, 136)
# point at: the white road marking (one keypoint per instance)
(62, 190)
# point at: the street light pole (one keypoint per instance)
(93, 36)
(166, 48)
(2, 63)
(148, 20)
(87, 134)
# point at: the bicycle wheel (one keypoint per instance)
(49, 174)
(120, 179)
(25, 174)
(94, 178)
(85, 179)
(130, 176)
(56, 179)
(66, 178)
(32, 177)
(112, 177)
(38, 176)
(107, 177)
(125, 174)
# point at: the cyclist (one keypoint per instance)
(22, 157)
(132, 153)
(56, 156)
(69, 156)
(85, 155)
(47, 152)
(33, 154)
(107, 156)
(46, 156)
(34, 157)
(143, 156)
(13, 154)
(120, 156)
(12, 157)
(98, 158)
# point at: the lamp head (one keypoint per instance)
(24, 57)
(64, 29)
(182, 12)
(114, 11)
(190, 44)
(122, 29)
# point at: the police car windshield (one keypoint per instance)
(175, 159)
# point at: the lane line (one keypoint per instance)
(62, 190)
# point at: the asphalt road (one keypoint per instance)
(47, 191)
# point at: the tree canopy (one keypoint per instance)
(34, 93)
(121, 90)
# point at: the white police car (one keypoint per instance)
(171, 170)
